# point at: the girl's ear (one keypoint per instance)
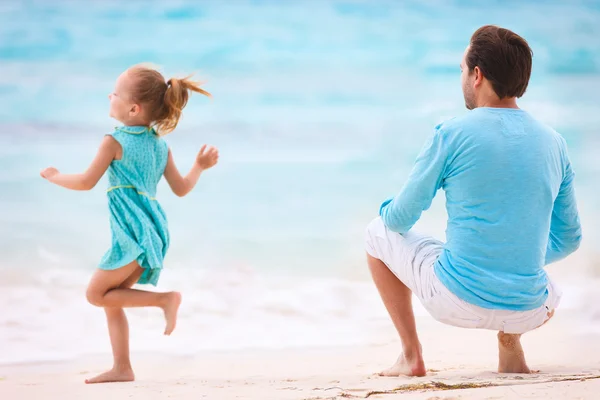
(135, 110)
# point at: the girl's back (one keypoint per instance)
(143, 161)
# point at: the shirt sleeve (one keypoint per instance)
(401, 212)
(565, 227)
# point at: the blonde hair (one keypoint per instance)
(163, 101)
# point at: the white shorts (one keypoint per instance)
(411, 258)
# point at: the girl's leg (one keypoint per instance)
(104, 290)
(118, 330)
(112, 290)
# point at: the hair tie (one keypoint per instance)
(169, 83)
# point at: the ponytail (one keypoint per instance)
(162, 101)
(175, 98)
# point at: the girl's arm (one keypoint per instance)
(206, 158)
(109, 149)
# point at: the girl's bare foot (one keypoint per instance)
(511, 355)
(408, 366)
(170, 308)
(114, 375)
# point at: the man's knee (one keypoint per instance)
(374, 226)
(373, 262)
(549, 314)
(371, 232)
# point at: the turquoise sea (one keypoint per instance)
(319, 110)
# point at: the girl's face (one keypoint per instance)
(122, 107)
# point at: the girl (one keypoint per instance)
(136, 157)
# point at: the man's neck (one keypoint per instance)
(508, 102)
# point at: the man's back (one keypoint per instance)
(502, 172)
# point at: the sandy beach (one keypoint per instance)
(461, 364)
(320, 110)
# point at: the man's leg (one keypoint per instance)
(511, 357)
(397, 299)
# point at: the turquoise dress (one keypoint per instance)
(137, 221)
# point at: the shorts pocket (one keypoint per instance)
(447, 309)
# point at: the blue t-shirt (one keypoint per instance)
(510, 202)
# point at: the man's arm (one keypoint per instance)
(400, 213)
(565, 228)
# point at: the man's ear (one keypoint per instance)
(478, 76)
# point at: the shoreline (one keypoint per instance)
(460, 363)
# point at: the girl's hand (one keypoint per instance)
(49, 173)
(207, 157)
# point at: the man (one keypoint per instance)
(511, 211)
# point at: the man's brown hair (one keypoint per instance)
(503, 57)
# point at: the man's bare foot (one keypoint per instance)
(170, 309)
(511, 355)
(114, 375)
(409, 366)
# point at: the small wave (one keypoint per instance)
(44, 315)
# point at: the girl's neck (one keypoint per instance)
(135, 122)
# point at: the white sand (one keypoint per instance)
(454, 357)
